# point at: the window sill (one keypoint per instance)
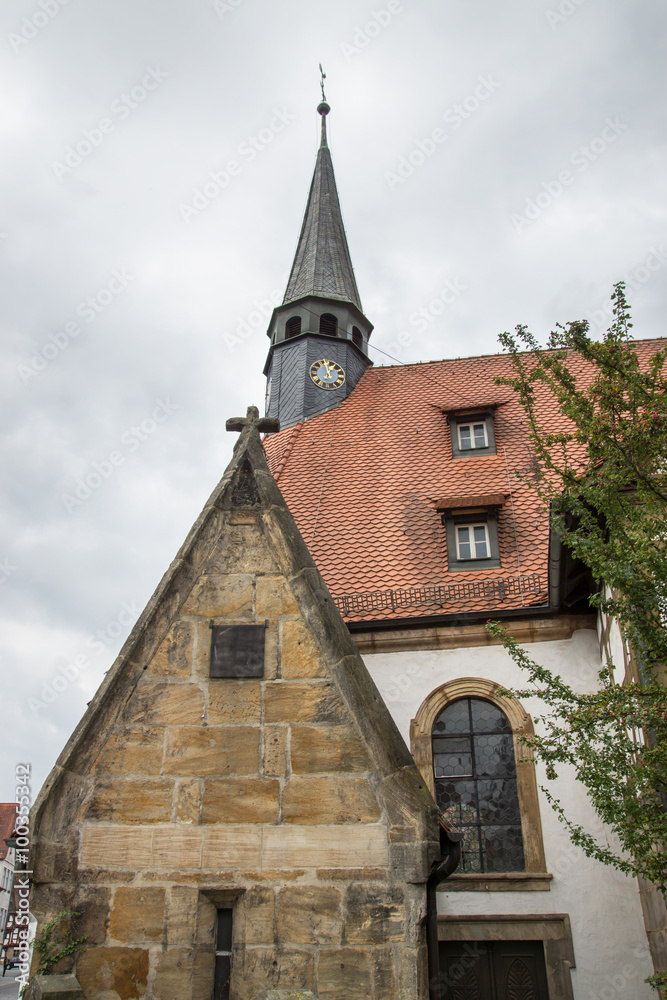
(473, 452)
(500, 882)
(473, 565)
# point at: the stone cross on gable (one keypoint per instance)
(253, 421)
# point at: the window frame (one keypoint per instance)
(223, 955)
(471, 517)
(472, 542)
(211, 902)
(534, 875)
(485, 417)
(472, 424)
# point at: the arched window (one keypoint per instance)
(292, 327)
(357, 338)
(466, 741)
(476, 784)
(329, 324)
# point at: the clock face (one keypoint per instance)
(327, 374)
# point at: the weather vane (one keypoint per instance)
(324, 76)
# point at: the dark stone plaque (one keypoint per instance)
(237, 650)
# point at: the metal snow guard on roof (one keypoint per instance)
(413, 597)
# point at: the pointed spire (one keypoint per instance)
(322, 263)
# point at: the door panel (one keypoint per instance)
(519, 970)
(465, 971)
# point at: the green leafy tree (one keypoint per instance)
(601, 470)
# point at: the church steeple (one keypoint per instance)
(322, 263)
(319, 334)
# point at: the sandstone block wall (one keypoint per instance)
(191, 793)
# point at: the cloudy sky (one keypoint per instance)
(498, 163)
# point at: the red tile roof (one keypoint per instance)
(7, 823)
(365, 480)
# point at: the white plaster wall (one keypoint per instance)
(611, 951)
(617, 647)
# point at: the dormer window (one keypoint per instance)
(472, 434)
(471, 525)
(329, 324)
(472, 539)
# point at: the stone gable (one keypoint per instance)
(290, 797)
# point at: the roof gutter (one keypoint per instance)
(458, 618)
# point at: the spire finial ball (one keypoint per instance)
(323, 108)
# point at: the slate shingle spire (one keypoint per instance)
(319, 334)
(322, 263)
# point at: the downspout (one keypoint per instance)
(450, 847)
(555, 569)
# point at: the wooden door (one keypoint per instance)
(492, 970)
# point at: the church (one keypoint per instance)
(303, 772)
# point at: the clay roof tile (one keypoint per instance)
(367, 491)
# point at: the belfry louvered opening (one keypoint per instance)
(329, 324)
(292, 327)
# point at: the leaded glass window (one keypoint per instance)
(476, 786)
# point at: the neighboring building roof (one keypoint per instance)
(7, 823)
(322, 263)
(366, 481)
